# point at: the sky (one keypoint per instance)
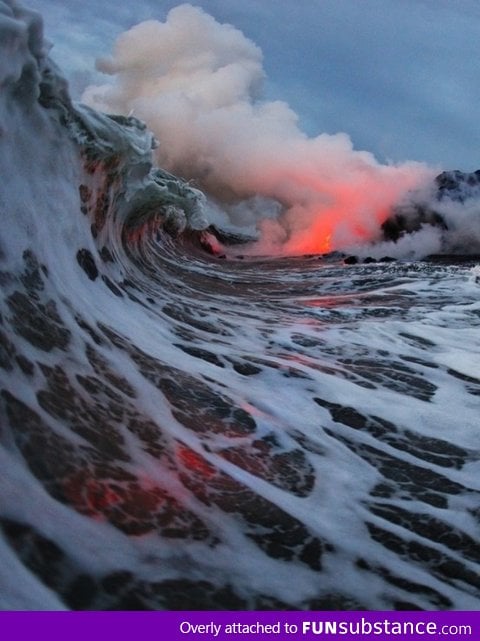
(400, 77)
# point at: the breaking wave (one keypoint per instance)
(188, 425)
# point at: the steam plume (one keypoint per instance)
(197, 84)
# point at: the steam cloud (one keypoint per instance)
(197, 84)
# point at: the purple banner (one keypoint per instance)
(229, 626)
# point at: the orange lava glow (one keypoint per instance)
(195, 462)
(89, 495)
(354, 217)
(334, 210)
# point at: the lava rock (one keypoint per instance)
(406, 218)
(458, 185)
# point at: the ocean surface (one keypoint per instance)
(184, 425)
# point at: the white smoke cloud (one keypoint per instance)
(197, 84)
(463, 225)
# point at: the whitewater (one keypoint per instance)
(191, 422)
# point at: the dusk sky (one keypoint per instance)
(400, 77)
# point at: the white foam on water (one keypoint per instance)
(298, 408)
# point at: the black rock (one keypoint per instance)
(458, 185)
(455, 186)
(406, 219)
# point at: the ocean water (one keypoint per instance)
(187, 426)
